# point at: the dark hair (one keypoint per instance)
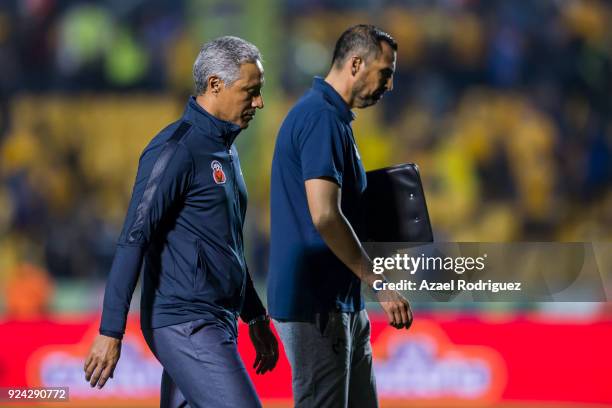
(364, 38)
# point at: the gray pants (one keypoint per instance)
(331, 360)
(202, 367)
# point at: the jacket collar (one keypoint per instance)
(218, 129)
(333, 97)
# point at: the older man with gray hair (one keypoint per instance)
(184, 225)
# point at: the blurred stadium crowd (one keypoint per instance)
(504, 105)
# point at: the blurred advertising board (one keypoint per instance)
(467, 359)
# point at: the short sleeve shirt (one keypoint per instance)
(315, 141)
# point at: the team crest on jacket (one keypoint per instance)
(217, 172)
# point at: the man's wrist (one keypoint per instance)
(261, 318)
(376, 278)
(111, 333)
(371, 277)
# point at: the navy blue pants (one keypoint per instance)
(202, 367)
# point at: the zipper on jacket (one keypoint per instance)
(238, 212)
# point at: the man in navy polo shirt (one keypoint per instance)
(317, 263)
(184, 223)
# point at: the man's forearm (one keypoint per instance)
(120, 287)
(339, 236)
(252, 307)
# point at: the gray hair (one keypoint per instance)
(222, 57)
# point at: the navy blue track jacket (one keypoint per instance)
(184, 223)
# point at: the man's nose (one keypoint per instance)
(258, 102)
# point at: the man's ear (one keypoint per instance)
(215, 84)
(356, 64)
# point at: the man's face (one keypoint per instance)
(238, 102)
(374, 78)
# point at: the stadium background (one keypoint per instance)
(505, 106)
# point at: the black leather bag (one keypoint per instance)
(395, 206)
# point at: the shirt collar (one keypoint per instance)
(333, 97)
(216, 128)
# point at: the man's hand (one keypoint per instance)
(102, 359)
(396, 307)
(265, 345)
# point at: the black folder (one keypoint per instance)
(395, 206)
